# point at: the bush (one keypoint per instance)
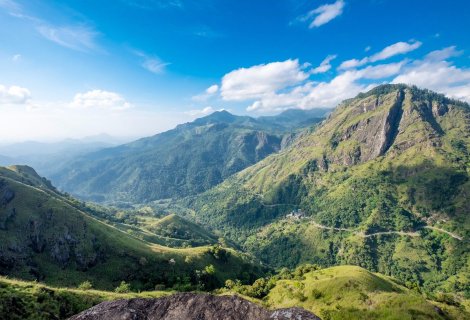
(85, 285)
(123, 288)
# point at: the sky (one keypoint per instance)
(132, 68)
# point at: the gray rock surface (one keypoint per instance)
(190, 306)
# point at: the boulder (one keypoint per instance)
(190, 306)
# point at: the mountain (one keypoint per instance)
(45, 236)
(48, 157)
(5, 161)
(186, 160)
(383, 183)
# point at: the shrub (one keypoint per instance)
(123, 288)
(85, 285)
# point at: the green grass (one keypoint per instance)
(348, 292)
(21, 300)
(55, 242)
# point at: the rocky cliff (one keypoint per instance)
(190, 306)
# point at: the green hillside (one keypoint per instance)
(345, 292)
(383, 183)
(186, 160)
(349, 292)
(21, 300)
(44, 236)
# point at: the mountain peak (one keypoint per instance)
(416, 92)
(221, 115)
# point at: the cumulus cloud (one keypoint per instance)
(325, 65)
(99, 99)
(257, 81)
(388, 52)
(324, 14)
(212, 89)
(435, 72)
(14, 95)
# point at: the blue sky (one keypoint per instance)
(133, 67)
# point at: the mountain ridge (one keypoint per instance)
(389, 163)
(186, 160)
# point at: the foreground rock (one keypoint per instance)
(190, 306)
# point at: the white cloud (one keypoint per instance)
(388, 52)
(281, 85)
(150, 62)
(99, 99)
(436, 73)
(76, 37)
(380, 71)
(324, 66)
(208, 93)
(324, 14)
(433, 72)
(212, 89)
(79, 38)
(14, 95)
(443, 54)
(395, 49)
(202, 112)
(154, 65)
(257, 81)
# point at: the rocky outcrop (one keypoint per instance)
(190, 306)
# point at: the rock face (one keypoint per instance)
(189, 306)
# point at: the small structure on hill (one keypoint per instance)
(296, 214)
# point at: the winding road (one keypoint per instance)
(361, 233)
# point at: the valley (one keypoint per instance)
(234, 160)
(342, 219)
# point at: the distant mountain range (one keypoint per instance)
(187, 160)
(47, 157)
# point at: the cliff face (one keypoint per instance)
(189, 306)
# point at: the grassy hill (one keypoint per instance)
(349, 292)
(44, 236)
(383, 183)
(345, 292)
(186, 160)
(22, 300)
